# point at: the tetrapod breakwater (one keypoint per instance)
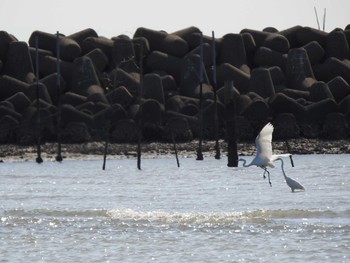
(160, 85)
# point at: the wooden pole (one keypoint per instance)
(199, 150)
(289, 151)
(105, 150)
(174, 143)
(38, 158)
(231, 136)
(324, 19)
(140, 111)
(318, 23)
(59, 148)
(217, 147)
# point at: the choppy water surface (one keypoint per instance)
(201, 212)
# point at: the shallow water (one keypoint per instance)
(203, 211)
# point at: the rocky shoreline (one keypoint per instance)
(95, 150)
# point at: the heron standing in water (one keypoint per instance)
(294, 185)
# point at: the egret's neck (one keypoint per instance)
(282, 167)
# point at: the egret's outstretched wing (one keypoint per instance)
(263, 142)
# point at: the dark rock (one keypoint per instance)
(344, 105)
(242, 102)
(298, 68)
(80, 36)
(297, 94)
(48, 66)
(123, 50)
(233, 51)
(261, 82)
(191, 77)
(245, 129)
(153, 88)
(98, 58)
(39, 90)
(336, 45)
(285, 126)
(177, 128)
(71, 114)
(281, 103)
(91, 43)
(5, 111)
(250, 48)
(187, 35)
(73, 99)
(152, 111)
(257, 111)
(5, 40)
(9, 129)
(83, 76)
(19, 101)
(320, 91)
(130, 81)
(9, 86)
(125, 130)
(274, 41)
(335, 127)
(292, 35)
(315, 52)
(76, 132)
(332, 68)
(339, 88)
(161, 41)
(226, 72)
(306, 35)
(18, 62)
(51, 82)
(161, 61)
(69, 49)
(120, 96)
(267, 57)
(318, 111)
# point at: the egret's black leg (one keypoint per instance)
(268, 175)
(265, 170)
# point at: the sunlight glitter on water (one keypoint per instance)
(200, 212)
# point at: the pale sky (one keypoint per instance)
(112, 17)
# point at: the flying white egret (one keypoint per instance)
(264, 157)
(290, 182)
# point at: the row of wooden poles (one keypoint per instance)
(230, 108)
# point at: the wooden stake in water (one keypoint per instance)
(59, 156)
(174, 143)
(105, 150)
(140, 111)
(217, 147)
(289, 151)
(231, 125)
(199, 150)
(38, 158)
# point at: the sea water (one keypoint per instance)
(202, 211)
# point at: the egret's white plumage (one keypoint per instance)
(264, 157)
(294, 185)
